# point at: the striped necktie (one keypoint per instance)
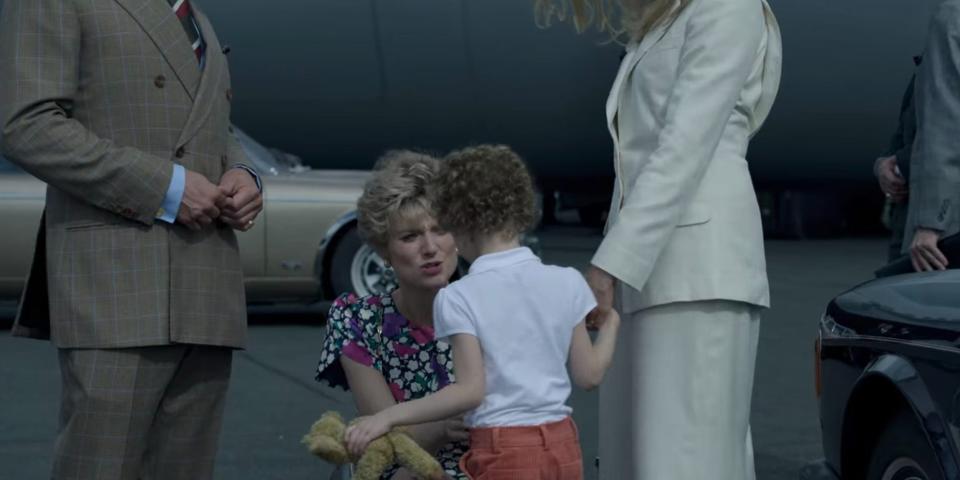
(183, 11)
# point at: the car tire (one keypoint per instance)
(903, 452)
(356, 267)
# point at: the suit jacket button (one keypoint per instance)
(160, 81)
(229, 94)
(180, 152)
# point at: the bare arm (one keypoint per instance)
(589, 361)
(455, 399)
(372, 395)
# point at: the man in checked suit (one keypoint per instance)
(934, 211)
(122, 107)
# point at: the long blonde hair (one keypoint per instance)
(629, 19)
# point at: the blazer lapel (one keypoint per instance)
(635, 53)
(772, 60)
(215, 67)
(161, 25)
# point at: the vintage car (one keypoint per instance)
(888, 378)
(303, 248)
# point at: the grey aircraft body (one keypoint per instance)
(337, 82)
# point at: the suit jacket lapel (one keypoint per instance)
(635, 53)
(161, 25)
(214, 68)
(770, 83)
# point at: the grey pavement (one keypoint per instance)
(273, 398)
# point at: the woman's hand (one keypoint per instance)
(602, 285)
(365, 430)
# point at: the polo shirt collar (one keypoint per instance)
(506, 258)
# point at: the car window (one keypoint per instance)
(262, 159)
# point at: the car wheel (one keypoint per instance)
(903, 452)
(357, 268)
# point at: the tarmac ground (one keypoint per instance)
(273, 398)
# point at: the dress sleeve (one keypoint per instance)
(351, 332)
(451, 315)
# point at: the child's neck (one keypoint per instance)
(487, 244)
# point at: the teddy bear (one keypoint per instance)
(325, 440)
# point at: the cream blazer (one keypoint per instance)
(684, 223)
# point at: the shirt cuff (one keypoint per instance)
(171, 203)
(253, 173)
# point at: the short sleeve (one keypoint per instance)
(451, 315)
(582, 297)
(351, 332)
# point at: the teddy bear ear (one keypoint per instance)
(325, 439)
(414, 458)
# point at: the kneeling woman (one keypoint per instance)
(382, 347)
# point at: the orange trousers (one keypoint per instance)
(544, 452)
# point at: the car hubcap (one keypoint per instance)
(369, 274)
(904, 469)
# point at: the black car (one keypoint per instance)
(888, 378)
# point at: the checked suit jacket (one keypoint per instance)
(935, 162)
(99, 98)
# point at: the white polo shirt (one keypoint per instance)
(523, 313)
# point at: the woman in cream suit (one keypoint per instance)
(682, 253)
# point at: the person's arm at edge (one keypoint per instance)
(936, 162)
(41, 136)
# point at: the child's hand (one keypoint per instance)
(600, 320)
(365, 430)
(455, 430)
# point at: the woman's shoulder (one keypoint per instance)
(358, 307)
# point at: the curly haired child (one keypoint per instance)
(514, 324)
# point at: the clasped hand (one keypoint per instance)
(893, 185)
(236, 201)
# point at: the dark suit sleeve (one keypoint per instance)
(40, 42)
(935, 176)
(901, 143)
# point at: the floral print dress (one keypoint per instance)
(370, 331)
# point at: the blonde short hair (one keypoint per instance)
(622, 19)
(400, 184)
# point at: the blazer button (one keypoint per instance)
(160, 81)
(229, 94)
(180, 152)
